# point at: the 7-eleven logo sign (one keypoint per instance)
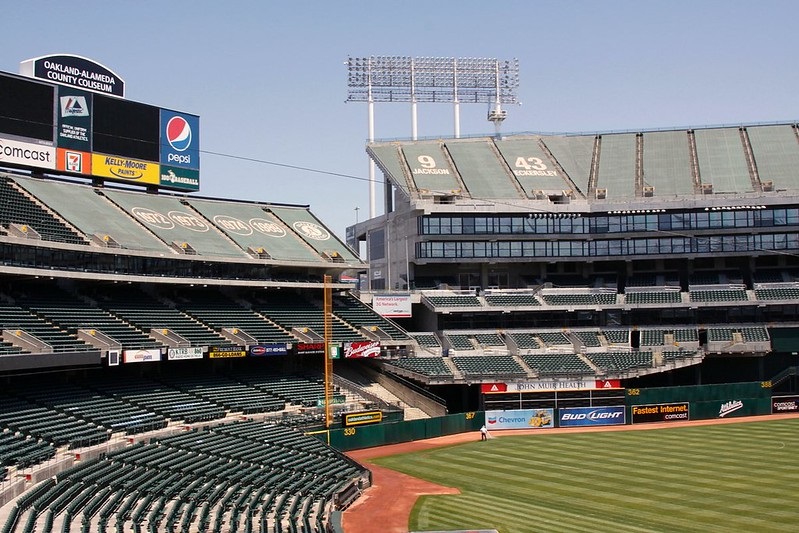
(73, 161)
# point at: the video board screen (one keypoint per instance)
(27, 108)
(68, 129)
(125, 128)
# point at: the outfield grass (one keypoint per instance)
(732, 477)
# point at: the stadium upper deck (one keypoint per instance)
(75, 230)
(663, 165)
(541, 204)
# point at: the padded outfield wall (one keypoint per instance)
(369, 436)
(703, 401)
(664, 404)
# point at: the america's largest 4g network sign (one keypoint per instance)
(68, 113)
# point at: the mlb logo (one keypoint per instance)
(73, 162)
(74, 106)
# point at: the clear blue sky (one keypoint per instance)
(269, 82)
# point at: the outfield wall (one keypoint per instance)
(699, 402)
(664, 404)
(368, 436)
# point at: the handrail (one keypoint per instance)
(785, 374)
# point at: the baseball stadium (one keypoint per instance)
(618, 310)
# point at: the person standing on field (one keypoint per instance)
(483, 433)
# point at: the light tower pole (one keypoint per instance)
(467, 80)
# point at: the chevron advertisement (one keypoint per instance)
(520, 419)
(591, 416)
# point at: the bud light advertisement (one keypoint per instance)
(180, 140)
(591, 416)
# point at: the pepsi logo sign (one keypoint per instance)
(178, 133)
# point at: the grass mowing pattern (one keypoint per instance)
(731, 477)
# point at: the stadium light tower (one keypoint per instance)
(467, 80)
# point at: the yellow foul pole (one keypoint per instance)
(328, 309)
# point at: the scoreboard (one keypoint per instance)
(67, 129)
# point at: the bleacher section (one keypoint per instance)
(786, 292)
(526, 341)
(660, 297)
(718, 295)
(432, 367)
(430, 170)
(617, 165)
(459, 342)
(20, 209)
(166, 401)
(217, 311)
(590, 339)
(552, 339)
(426, 340)
(290, 310)
(246, 474)
(290, 389)
(177, 224)
(667, 165)
(114, 415)
(357, 314)
(254, 228)
(148, 313)
(440, 300)
(511, 299)
(488, 340)
(41, 423)
(21, 323)
(72, 314)
(314, 233)
(557, 364)
(573, 299)
(488, 366)
(96, 216)
(720, 155)
(230, 394)
(478, 167)
(531, 166)
(617, 336)
(613, 362)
